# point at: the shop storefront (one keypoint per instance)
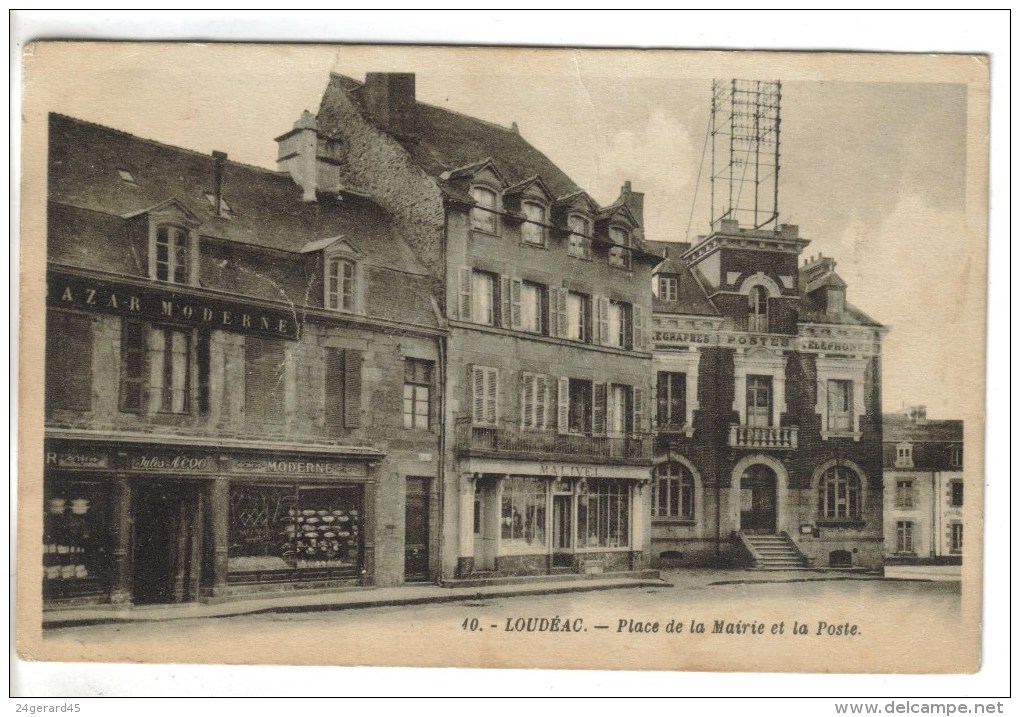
(144, 524)
(549, 518)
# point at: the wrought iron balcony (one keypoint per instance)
(767, 437)
(511, 441)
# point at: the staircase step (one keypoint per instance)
(776, 552)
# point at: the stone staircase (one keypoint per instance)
(773, 552)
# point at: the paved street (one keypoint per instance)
(746, 617)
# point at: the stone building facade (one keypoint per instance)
(925, 480)
(547, 366)
(768, 407)
(236, 399)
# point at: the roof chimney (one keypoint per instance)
(297, 152)
(514, 128)
(634, 201)
(220, 160)
(390, 98)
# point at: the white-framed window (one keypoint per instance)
(483, 214)
(341, 284)
(534, 308)
(156, 373)
(621, 409)
(173, 254)
(667, 288)
(580, 236)
(483, 297)
(904, 494)
(839, 494)
(619, 322)
(417, 393)
(759, 362)
(904, 455)
(484, 395)
(523, 512)
(619, 253)
(671, 399)
(673, 492)
(533, 228)
(759, 401)
(578, 316)
(537, 395)
(758, 309)
(956, 538)
(904, 536)
(840, 403)
(603, 514)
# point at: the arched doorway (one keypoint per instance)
(758, 500)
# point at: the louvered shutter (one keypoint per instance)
(504, 303)
(491, 396)
(274, 366)
(333, 391)
(563, 405)
(352, 388)
(541, 402)
(132, 367)
(68, 362)
(464, 296)
(527, 400)
(254, 393)
(639, 410)
(561, 312)
(515, 303)
(478, 394)
(599, 412)
(639, 329)
(603, 319)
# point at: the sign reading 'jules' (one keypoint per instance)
(69, 291)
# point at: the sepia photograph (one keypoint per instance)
(505, 357)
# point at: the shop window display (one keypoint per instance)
(75, 545)
(294, 528)
(603, 515)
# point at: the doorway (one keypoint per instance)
(416, 530)
(758, 500)
(167, 543)
(563, 555)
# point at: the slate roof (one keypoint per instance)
(444, 140)
(813, 312)
(692, 298)
(266, 206)
(898, 428)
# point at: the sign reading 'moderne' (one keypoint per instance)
(156, 304)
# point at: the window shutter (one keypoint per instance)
(464, 297)
(132, 368)
(478, 395)
(504, 304)
(563, 405)
(639, 410)
(274, 366)
(491, 395)
(515, 303)
(254, 392)
(599, 412)
(603, 319)
(857, 401)
(68, 362)
(334, 389)
(561, 312)
(352, 388)
(527, 400)
(541, 402)
(639, 329)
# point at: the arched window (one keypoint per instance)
(839, 494)
(758, 309)
(673, 494)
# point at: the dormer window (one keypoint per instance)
(341, 284)
(904, 455)
(483, 214)
(173, 255)
(667, 288)
(619, 253)
(533, 228)
(580, 236)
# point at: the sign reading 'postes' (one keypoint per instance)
(75, 292)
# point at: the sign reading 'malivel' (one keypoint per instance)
(158, 304)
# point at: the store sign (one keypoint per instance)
(172, 463)
(152, 303)
(296, 467)
(77, 459)
(567, 470)
(682, 337)
(860, 343)
(843, 347)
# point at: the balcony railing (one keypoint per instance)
(769, 437)
(510, 440)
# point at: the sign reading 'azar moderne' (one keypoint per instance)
(73, 292)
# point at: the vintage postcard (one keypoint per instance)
(506, 357)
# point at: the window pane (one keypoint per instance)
(481, 292)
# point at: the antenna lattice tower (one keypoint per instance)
(745, 151)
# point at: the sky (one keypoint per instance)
(874, 168)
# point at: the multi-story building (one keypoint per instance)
(547, 366)
(924, 484)
(237, 398)
(768, 406)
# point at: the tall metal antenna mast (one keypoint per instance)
(744, 131)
